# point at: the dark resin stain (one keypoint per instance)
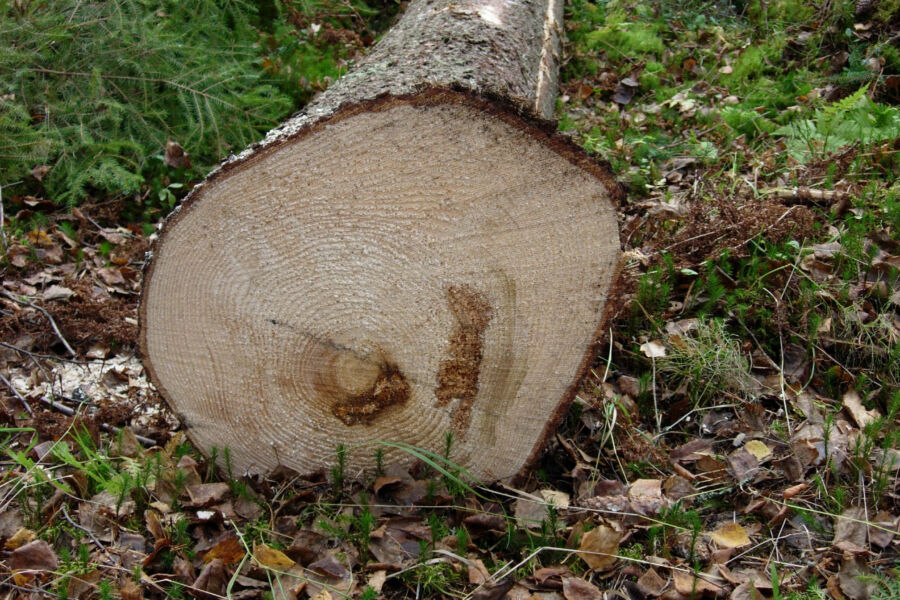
(458, 374)
(389, 389)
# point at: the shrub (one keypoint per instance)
(93, 90)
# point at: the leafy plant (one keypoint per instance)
(92, 91)
(707, 363)
(855, 119)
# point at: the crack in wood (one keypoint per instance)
(458, 374)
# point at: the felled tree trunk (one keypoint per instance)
(415, 255)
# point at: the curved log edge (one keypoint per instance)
(507, 111)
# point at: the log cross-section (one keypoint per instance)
(416, 253)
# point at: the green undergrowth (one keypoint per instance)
(722, 119)
(769, 128)
(91, 92)
(692, 67)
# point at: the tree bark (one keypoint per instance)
(416, 254)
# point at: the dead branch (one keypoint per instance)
(806, 195)
(56, 330)
(16, 393)
(70, 412)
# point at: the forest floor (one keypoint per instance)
(737, 437)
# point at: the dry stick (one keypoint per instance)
(801, 193)
(104, 426)
(2, 231)
(34, 355)
(49, 318)
(69, 412)
(94, 539)
(19, 396)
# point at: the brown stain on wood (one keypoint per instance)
(458, 375)
(389, 389)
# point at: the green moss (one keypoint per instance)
(651, 78)
(888, 11)
(649, 81)
(626, 40)
(780, 11)
(755, 61)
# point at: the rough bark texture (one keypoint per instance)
(412, 256)
(501, 48)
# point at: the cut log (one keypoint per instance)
(414, 255)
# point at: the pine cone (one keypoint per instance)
(863, 6)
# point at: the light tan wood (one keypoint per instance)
(400, 271)
(412, 255)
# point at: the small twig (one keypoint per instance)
(787, 412)
(806, 195)
(690, 239)
(16, 393)
(2, 230)
(69, 412)
(38, 364)
(49, 318)
(803, 193)
(103, 230)
(759, 233)
(94, 539)
(34, 355)
(655, 407)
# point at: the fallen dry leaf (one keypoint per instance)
(694, 586)
(692, 451)
(376, 580)
(651, 584)
(747, 591)
(82, 586)
(111, 276)
(206, 494)
(551, 576)
(676, 487)
(579, 589)
(730, 535)
(853, 403)
(330, 567)
(494, 591)
(599, 547)
(19, 538)
(887, 526)
(758, 449)
(743, 464)
(271, 558)
(212, 578)
(850, 530)
(653, 349)
(229, 550)
(57, 292)
(33, 556)
(855, 581)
